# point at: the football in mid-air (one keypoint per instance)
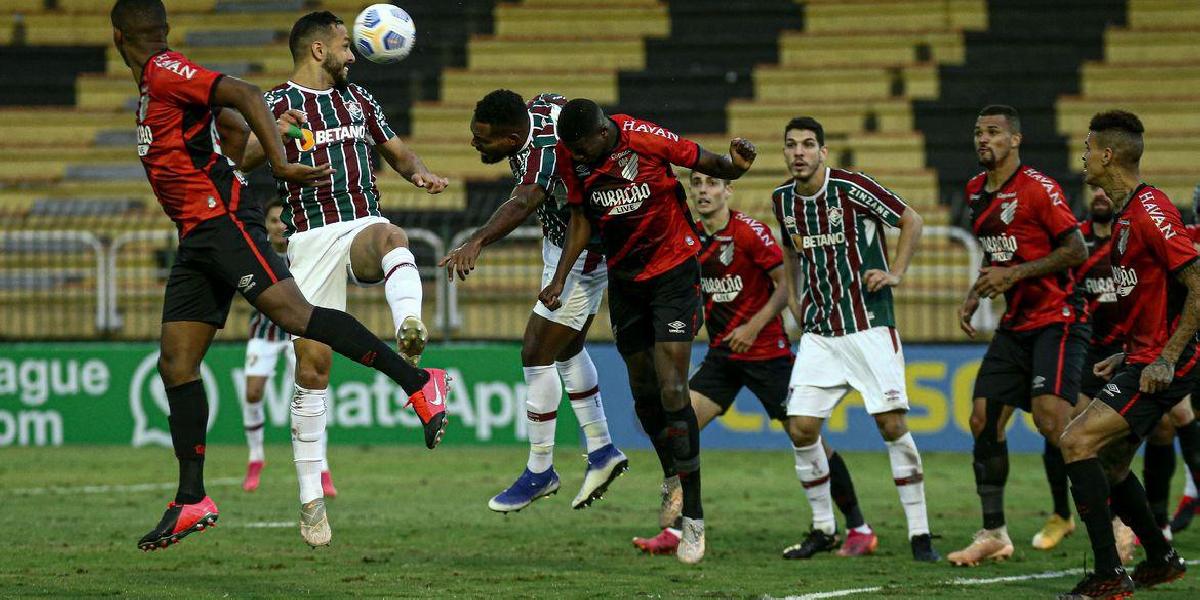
(384, 33)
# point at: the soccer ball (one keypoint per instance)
(384, 33)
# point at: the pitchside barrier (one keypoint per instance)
(110, 393)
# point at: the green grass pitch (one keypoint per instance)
(414, 523)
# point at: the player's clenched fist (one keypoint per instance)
(742, 152)
(550, 294)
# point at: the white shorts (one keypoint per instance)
(826, 368)
(262, 356)
(319, 260)
(581, 294)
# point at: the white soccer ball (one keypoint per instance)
(384, 33)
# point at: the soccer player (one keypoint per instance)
(1158, 301)
(832, 225)
(223, 245)
(266, 342)
(1031, 243)
(505, 127)
(744, 292)
(621, 184)
(336, 235)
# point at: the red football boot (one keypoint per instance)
(430, 404)
(858, 544)
(664, 543)
(253, 473)
(327, 488)
(178, 522)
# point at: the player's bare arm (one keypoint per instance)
(232, 92)
(579, 231)
(1071, 252)
(1157, 376)
(406, 162)
(742, 337)
(516, 210)
(911, 225)
(728, 166)
(241, 145)
(1107, 367)
(791, 277)
(969, 306)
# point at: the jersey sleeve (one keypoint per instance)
(1168, 240)
(276, 100)
(784, 236)
(377, 125)
(658, 141)
(1056, 216)
(764, 252)
(541, 168)
(181, 81)
(880, 201)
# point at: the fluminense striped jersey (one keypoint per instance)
(262, 328)
(343, 123)
(837, 237)
(537, 163)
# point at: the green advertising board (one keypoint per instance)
(110, 393)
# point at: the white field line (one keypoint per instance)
(963, 581)
(267, 524)
(107, 489)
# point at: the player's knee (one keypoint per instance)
(395, 238)
(176, 369)
(313, 375)
(892, 425)
(1075, 445)
(675, 396)
(1048, 426)
(532, 355)
(1163, 433)
(1182, 414)
(253, 396)
(977, 421)
(801, 434)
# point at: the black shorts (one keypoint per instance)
(1089, 384)
(665, 308)
(721, 378)
(1020, 365)
(1143, 412)
(218, 257)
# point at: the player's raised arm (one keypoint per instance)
(406, 162)
(579, 231)
(248, 100)
(728, 166)
(508, 216)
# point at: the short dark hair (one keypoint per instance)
(502, 108)
(1122, 131)
(272, 201)
(578, 118)
(306, 29)
(139, 18)
(1009, 113)
(806, 124)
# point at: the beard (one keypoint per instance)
(1102, 217)
(337, 72)
(491, 159)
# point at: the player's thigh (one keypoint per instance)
(1050, 414)
(314, 361)
(1059, 354)
(677, 304)
(255, 384)
(546, 341)
(631, 317)
(242, 255)
(1090, 383)
(581, 298)
(1097, 426)
(319, 260)
(817, 383)
(643, 379)
(768, 381)
(1004, 374)
(713, 387)
(182, 345)
(372, 241)
(874, 362)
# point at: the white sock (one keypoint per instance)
(544, 392)
(812, 468)
(583, 386)
(324, 445)
(402, 285)
(308, 427)
(910, 482)
(1189, 486)
(253, 418)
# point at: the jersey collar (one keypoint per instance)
(821, 191)
(529, 138)
(309, 90)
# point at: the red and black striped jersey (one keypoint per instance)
(1022, 221)
(735, 267)
(636, 202)
(178, 142)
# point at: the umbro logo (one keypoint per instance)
(676, 327)
(1038, 382)
(1112, 389)
(246, 282)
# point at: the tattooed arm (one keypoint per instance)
(1158, 375)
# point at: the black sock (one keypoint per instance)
(1056, 475)
(991, 474)
(683, 433)
(189, 424)
(1129, 503)
(842, 488)
(1089, 486)
(1158, 467)
(1189, 447)
(351, 339)
(654, 422)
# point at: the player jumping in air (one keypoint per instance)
(621, 184)
(505, 127)
(1157, 281)
(831, 222)
(223, 246)
(1031, 243)
(744, 293)
(336, 235)
(266, 342)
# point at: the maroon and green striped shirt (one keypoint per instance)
(343, 124)
(837, 235)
